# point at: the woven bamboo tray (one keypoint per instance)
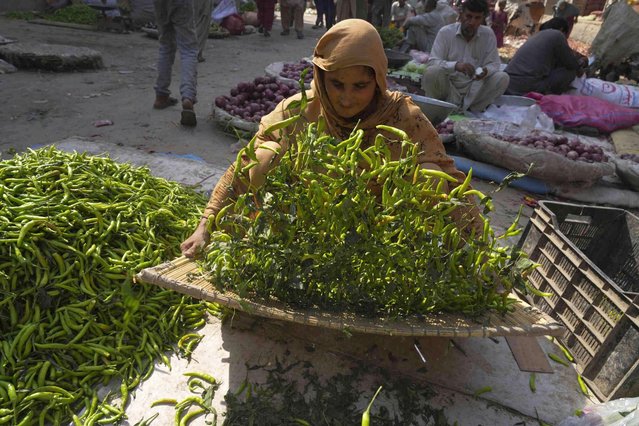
(182, 276)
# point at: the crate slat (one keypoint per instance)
(601, 314)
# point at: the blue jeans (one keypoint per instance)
(176, 30)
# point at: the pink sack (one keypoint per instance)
(234, 24)
(576, 111)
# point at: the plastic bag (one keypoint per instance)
(620, 94)
(222, 10)
(578, 111)
(531, 117)
(113, 4)
(419, 56)
(618, 412)
(234, 24)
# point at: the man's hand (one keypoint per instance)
(482, 74)
(582, 62)
(465, 68)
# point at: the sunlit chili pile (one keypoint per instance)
(344, 227)
(73, 230)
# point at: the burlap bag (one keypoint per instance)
(474, 136)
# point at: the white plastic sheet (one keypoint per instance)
(618, 412)
(531, 117)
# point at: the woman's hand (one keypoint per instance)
(198, 240)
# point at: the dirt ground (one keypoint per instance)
(44, 107)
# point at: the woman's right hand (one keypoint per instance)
(198, 240)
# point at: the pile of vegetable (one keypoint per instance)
(391, 37)
(341, 226)
(218, 31)
(252, 100)
(294, 70)
(571, 148)
(414, 67)
(248, 6)
(445, 127)
(75, 14)
(73, 231)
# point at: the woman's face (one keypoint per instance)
(350, 90)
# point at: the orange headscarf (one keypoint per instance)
(349, 43)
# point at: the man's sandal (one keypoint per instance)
(164, 101)
(188, 118)
(188, 115)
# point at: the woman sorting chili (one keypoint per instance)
(348, 92)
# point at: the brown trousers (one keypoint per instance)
(292, 9)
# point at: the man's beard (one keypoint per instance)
(467, 31)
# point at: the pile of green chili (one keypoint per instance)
(74, 229)
(344, 227)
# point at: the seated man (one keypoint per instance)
(464, 65)
(448, 13)
(545, 63)
(421, 30)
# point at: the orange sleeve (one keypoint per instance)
(229, 187)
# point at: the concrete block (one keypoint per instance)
(51, 57)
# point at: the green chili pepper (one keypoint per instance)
(531, 383)
(366, 415)
(557, 359)
(582, 385)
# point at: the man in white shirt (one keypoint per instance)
(464, 64)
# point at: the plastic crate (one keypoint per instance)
(589, 259)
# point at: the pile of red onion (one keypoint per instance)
(254, 99)
(445, 127)
(294, 70)
(570, 148)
